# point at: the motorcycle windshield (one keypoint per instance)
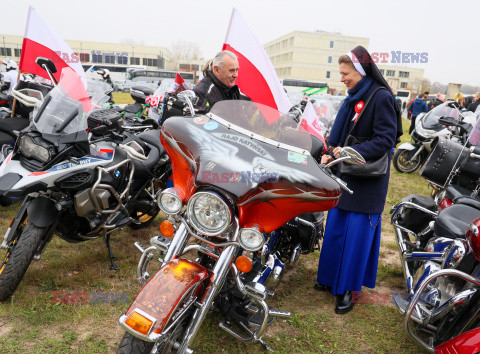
(98, 91)
(430, 119)
(65, 107)
(261, 122)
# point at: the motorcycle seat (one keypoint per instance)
(8, 125)
(146, 90)
(133, 108)
(152, 141)
(453, 222)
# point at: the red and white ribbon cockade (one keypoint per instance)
(358, 109)
(41, 40)
(257, 78)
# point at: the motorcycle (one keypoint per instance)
(409, 157)
(76, 185)
(442, 314)
(248, 198)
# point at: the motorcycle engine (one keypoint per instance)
(85, 205)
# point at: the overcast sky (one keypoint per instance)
(448, 31)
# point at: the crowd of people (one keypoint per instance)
(423, 103)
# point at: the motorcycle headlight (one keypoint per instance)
(251, 239)
(208, 213)
(169, 202)
(29, 148)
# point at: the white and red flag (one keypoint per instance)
(309, 122)
(180, 84)
(257, 78)
(41, 40)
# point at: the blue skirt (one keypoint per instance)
(350, 250)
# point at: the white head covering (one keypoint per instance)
(356, 63)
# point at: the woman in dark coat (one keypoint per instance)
(350, 250)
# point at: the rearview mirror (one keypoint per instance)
(46, 63)
(351, 156)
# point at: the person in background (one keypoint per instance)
(218, 83)
(10, 78)
(460, 100)
(416, 107)
(439, 99)
(472, 107)
(350, 249)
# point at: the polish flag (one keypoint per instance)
(180, 84)
(256, 78)
(309, 122)
(41, 40)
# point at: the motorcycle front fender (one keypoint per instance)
(177, 282)
(468, 342)
(407, 146)
(42, 212)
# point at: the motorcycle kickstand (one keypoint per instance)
(113, 266)
(266, 346)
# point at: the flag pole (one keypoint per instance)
(14, 98)
(228, 29)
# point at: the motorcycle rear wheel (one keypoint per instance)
(18, 258)
(403, 164)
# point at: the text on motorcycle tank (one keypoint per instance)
(161, 295)
(200, 120)
(211, 126)
(297, 157)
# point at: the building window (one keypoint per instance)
(84, 57)
(110, 59)
(382, 71)
(404, 74)
(18, 52)
(390, 72)
(331, 44)
(6, 52)
(134, 61)
(328, 74)
(97, 58)
(329, 59)
(150, 62)
(403, 85)
(122, 60)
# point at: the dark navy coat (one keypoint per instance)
(378, 122)
(418, 106)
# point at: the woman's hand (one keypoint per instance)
(336, 152)
(326, 159)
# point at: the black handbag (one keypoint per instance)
(371, 168)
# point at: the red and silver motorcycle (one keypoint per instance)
(248, 198)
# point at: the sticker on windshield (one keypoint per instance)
(211, 125)
(200, 120)
(297, 157)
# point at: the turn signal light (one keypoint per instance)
(167, 229)
(243, 264)
(139, 323)
(444, 203)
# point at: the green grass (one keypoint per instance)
(32, 322)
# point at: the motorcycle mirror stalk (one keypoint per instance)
(49, 66)
(349, 155)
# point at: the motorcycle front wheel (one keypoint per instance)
(18, 257)
(402, 162)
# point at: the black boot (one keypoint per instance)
(344, 303)
(321, 287)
